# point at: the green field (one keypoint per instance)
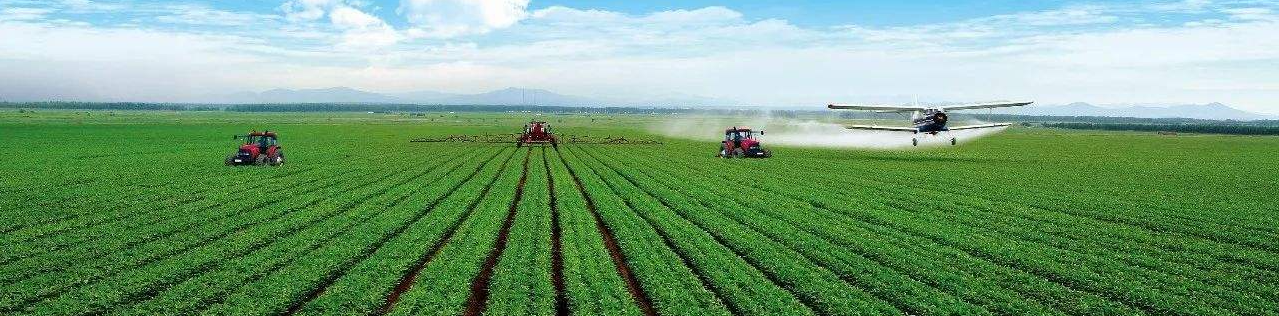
(134, 213)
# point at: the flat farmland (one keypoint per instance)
(134, 213)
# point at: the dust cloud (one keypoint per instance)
(811, 133)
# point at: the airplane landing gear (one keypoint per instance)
(952, 141)
(914, 142)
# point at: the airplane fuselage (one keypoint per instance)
(926, 119)
(931, 121)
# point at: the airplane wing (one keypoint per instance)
(988, 105)
(882, 128)
(960, 128)
(876, 108)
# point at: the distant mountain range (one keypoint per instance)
(1211, 111)
(523, 96)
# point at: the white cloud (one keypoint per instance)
(202, 15)
(703, 16)
(358, 29)
(1179, 47)
(1250, 14)
(23, 14)
(89, 6)
(452, 18)
(347, 17)
(307, 10)
(361, 29)
(674, 19)
(691, 32)
(1072, 16)
(1076, 53)
(566, 15)
(1181, 6)
(61, 61)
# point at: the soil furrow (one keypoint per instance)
(610, 243)
(258, 276)
(159, 219)
(478, 299)
(125, 216)
(406, 281)
(772, 277)
(368, 251)
(683, 257)
(557, 257)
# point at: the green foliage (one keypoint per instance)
(135, 214)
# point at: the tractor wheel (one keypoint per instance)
(739, 153)
(230, 160)
(275, 161)
(261, 161)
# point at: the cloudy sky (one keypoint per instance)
(782, 53)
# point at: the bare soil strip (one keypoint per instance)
(406, 281)
(610, 243)
(478, 299)
(557, 257)
(368, 251)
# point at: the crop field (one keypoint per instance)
(134, 213)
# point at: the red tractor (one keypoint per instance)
(742, 143)
(259, 148)
(537, 132)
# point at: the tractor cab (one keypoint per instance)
(540, 128)
(738, 135)
(259, 148)
(539, 133)
(742, 143)
(261, 140)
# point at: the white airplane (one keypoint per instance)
(926, 119)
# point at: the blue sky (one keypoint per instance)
(792, 53)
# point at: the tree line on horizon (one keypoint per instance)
(1181, 125)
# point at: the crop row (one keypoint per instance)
(814, 284)
(112, 240)
(758, 234)
(1077, 220)
(593, 283)
(1049, 267)
(1095, 253)
(899, 272)
(159, 263)
(123, 197)
(522, 280)
(131, 183)
(366, 286)
(132, 227)
(445, 283)
(745, 288)
(302, 281)
(663, 274)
